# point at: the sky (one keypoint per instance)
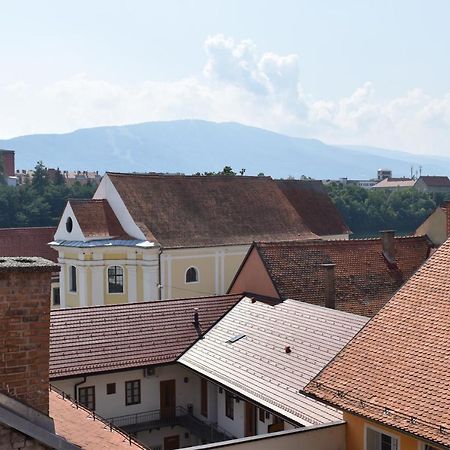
(347, 72)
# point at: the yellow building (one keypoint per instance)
(392, 380)
(145, 237)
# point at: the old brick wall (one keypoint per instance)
(24, 336)
(12, 439)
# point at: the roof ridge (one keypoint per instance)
(145, 302)
(184, 176)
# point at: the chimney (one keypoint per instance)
(8, 162)
(25, 329)
(388, 245)
(196, 319)
(330, 285)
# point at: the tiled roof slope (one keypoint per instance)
(394, 182)
(106, 338)
(399, 365)
(314, 205)
(28, 242)
(195, 211)
(435, 181)
(77, 426)
(364, 279)
(257, 365)
(96, 218)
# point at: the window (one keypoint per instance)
(262, 415)
(229, 405)
(69, 225)
(378, 440)
(132, 392)
(115, 280)
(192, 275)
(110, 388)
(56, 297)
(429, 447)
(73, 279)
(86, 397)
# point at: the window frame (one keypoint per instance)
(73, 279)
(381, 431)
(423, 446)
(132, 401)
(197, 273)
(229, 405)
(81, 391)
(115, 266)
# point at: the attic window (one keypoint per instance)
(192, 275)
(236, 338)
(69, 224)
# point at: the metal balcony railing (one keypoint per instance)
(148, 420)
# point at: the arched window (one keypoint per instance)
(73, 279)
(191, 275)
(115, 280)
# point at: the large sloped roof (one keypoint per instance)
(397, 370)
(106, 338)
(31, 241)
(364, 279)
(436, 181)
(257, 365)
(314, 205)
(195, 211)
(96, 218)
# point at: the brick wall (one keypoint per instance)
(12, 439)
(24, 335)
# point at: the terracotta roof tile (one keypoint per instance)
(364, 279)
(314, 205)
(28, 242)
(96, 218)
(195, 211)
(77, 426)
(397, 369)
(436, 181)
(107, 338)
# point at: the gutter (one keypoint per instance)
(75, 387)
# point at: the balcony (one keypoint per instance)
(160, 418)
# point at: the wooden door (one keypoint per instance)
(250, 419)
(167, 399)
(172, 442)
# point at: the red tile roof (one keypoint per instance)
(397, 369)
(107, 338)
(314, 205)
(435, 181)
(76, 425)
(364, 279)
(196, 211)
(96, 218)
(28, 242)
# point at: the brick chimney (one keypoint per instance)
(8, 162)
(330, 285)
(25, 329)
(388, 245)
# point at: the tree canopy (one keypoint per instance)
(39, 203)
(367, 211)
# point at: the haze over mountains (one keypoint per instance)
(190, 146)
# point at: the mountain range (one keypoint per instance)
(190, 146)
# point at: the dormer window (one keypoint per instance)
(115, 280)
(69, 224)
(192, 275)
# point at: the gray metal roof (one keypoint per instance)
(101, 243)
(258, 367)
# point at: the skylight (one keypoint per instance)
(235, 338)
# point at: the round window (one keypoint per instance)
(69, 224)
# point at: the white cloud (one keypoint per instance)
(238, 84)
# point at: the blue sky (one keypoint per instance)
(360, 72)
